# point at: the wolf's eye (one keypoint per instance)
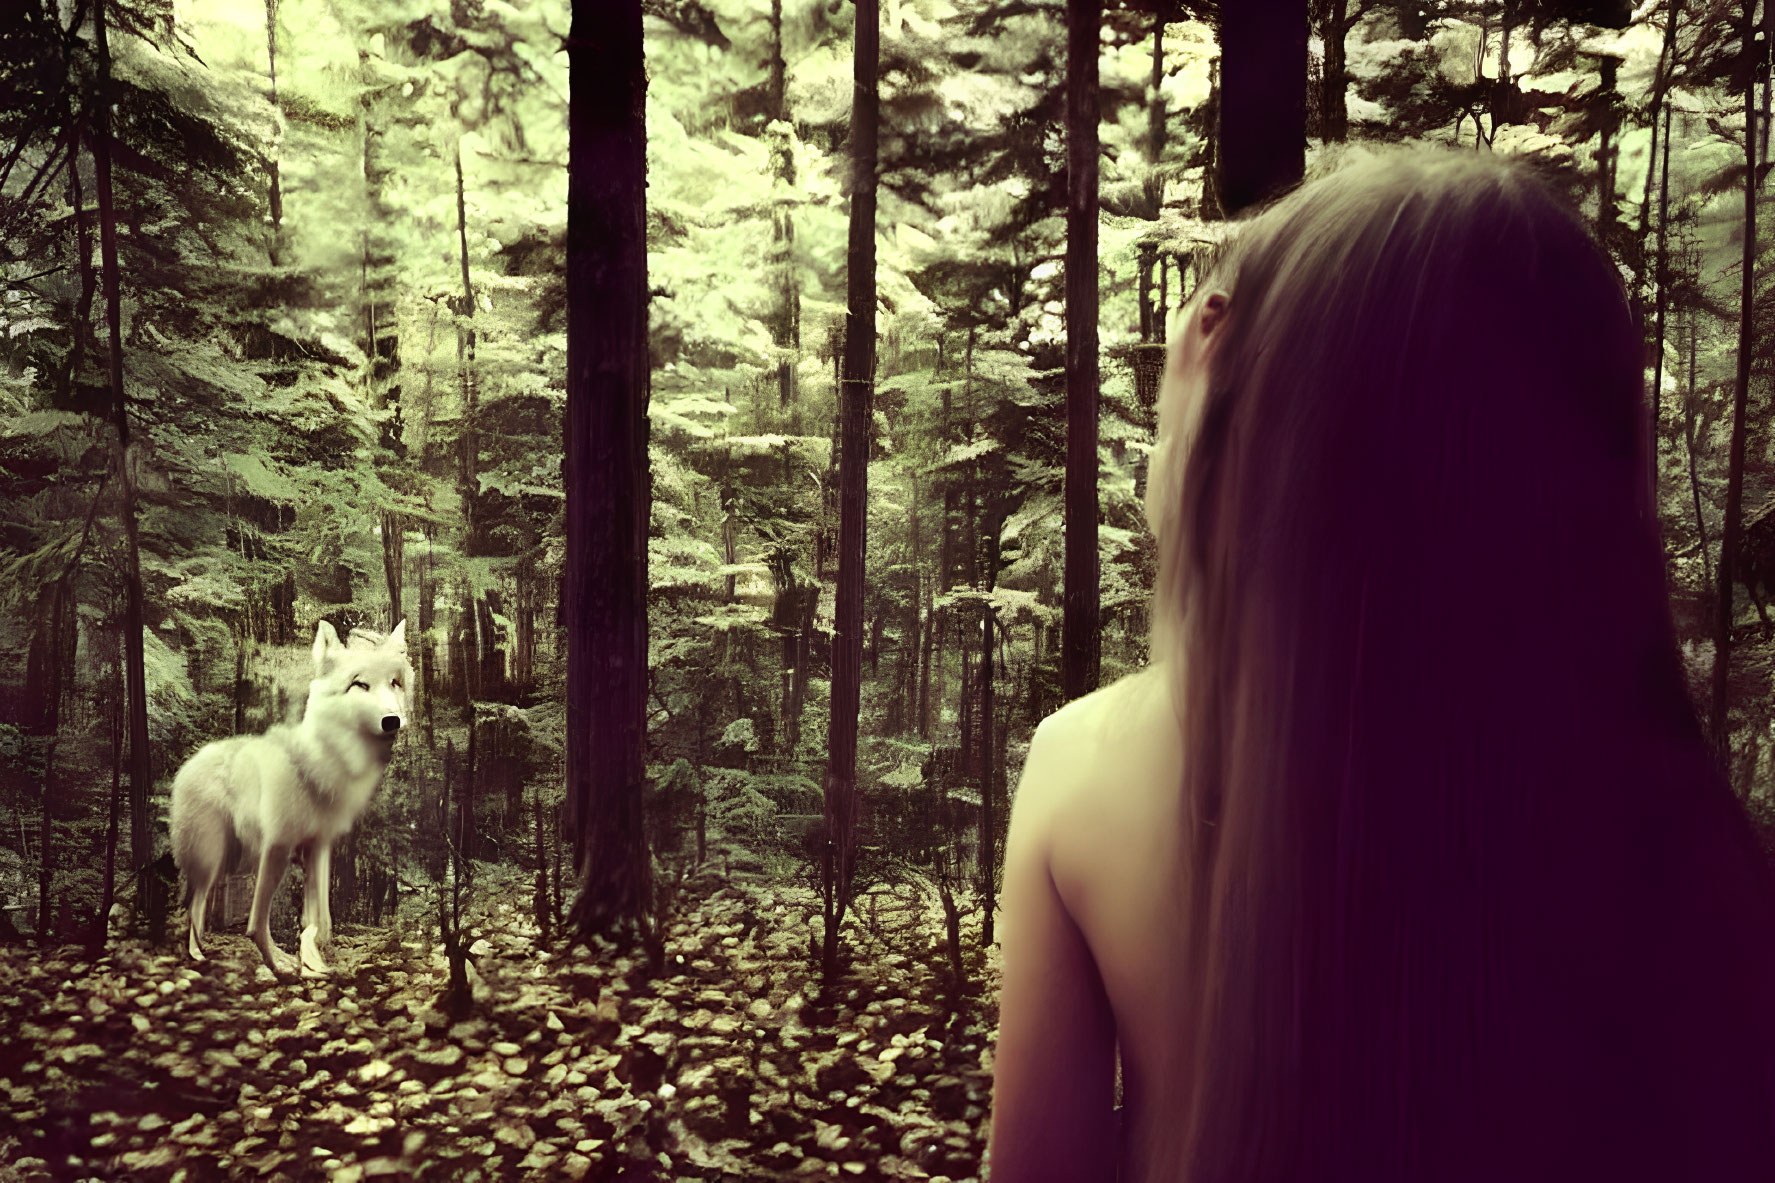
(397, 683)
(355, 685)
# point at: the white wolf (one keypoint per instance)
(295, 790)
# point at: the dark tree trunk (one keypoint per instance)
(906, 695)
(787, 329)
(803, 655)
(1607, 149)
(427, 651)
(967, 753)
(988, 856)
(1733, 530)
(465, 649)
(1660, 87)
(274, 192)
(1334, 117)
(1080, 605)
(108, 893)
(924, 675)
(345, 877)
(1662, 304)
(492, 657)
(394, 553)
(1152, 320)
(524, 618)
(45, 693)
(840, 789)
(1689, 442)
(1262, 138)
(540, 904)
(457, 997)
(141, 776)
(467, 832)
(606, 469)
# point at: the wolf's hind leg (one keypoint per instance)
(196, 905)
(273, 862)
(317, 925)
(200, 854)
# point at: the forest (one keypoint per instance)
(745, 405)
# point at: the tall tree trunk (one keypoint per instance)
(988, 834)
(1080, 657)
(1262, 137)
(524, 618)
(840, 789)
(924, 675)
(1152, 322)
(786, 332)
(487, 660)
(1663, 304)
(910, 642)
(141, 776)
(540, 897)
(108, 893)
(1660, 88)
(1733, 530)
(1334, 116)
(1608, 69)
(274, 192)
(606, 469)
(47, 687)
(1689, 442)
(394, 554)
(428, 658)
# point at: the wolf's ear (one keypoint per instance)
(397, 640)
(326, 643)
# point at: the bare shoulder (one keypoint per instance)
(1098, 733)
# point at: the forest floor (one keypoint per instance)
(138, 1064)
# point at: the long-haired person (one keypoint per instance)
(1405, 858)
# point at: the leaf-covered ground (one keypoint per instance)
(139, 1065)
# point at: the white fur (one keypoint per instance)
(294, 790)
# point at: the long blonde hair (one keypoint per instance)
(1447, 797)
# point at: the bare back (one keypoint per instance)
(1115, 856)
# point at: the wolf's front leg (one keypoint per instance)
(272, 864)
(317, 919)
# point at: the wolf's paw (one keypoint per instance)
(281, 963)
(313, 965)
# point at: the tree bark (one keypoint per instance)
(1334, 117)
(1261, 144)
(274, 190)
(1689, 441)
(924, 674)
(906, 694)
(394, 553)
(108, 894)
(1733, 530)
(606, 469)
(840, 789)
(787, 330)
(1663, 305)
(1080, 657)
(988, 855)
(1660, 87)
(1152, 321)
(141, 777)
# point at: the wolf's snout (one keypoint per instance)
(391, 724)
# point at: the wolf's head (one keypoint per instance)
(366, 687)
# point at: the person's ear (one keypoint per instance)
(1213, 311)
